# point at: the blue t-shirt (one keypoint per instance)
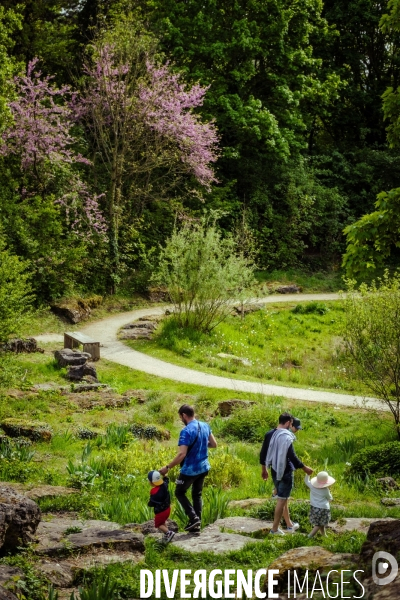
(196, 461)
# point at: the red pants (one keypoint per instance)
(162, 517)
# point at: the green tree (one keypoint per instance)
(15, 292)
(203, 273)
(372, 339)
(266, 88)
(375, 238)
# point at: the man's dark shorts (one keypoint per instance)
(284, 486)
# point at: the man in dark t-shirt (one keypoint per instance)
(277, 452)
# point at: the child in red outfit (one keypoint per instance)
(160, 500)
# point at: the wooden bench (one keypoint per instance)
(73, 339)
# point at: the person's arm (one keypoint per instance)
(212, 442)
(296, 462)
(263, 457)
(307, 480)
(182, 451)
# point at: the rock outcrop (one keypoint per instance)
(81, 372)
(288, 289)
(61, 536)
(34, 430)
(355, 524)
(309, 558)
(66, 357)
(19, 519)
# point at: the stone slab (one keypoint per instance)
(51, 532)
(211, 540)
(355, 524)
(62, 573)
(244, 525)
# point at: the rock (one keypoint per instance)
(236, 359)
(354, 524)
(117, 539)
(390, 501)
(150, 325)
(149, 432)
(248, 503)
(158, 294)
(227, 407)
(79, 372)
(382, 535)
(7, 595)
(18, 346)
(244, 525)
(67, 357)
(34, 430)
(153, 318)
(387, 483)
(139, 395)
(61, 535)
(135, 334)
(45, 387)
(246, 309)
(288, 289)
(19, 519)
(72, 311)
(62, 573)
(311, 558)
(78, 388)
(211, 540)
(10, 574)
(148, 528)
(390, 591)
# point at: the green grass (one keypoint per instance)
(281, 344)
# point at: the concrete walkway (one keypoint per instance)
(112, 349)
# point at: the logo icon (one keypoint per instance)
(381, 562)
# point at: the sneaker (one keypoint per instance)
(194, 524)
(168, 537)
(277, 532)
(292, 529)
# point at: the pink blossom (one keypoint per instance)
(166, 107)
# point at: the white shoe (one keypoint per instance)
(293, 528)
(277, 532)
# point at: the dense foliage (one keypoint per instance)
(117, 119)
(383, 460)
(372, 339)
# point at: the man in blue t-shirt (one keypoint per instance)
(194, 441)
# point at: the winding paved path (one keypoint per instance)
(112, 349)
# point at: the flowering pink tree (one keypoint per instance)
(166, 107)
(40, 137)
(146, 134)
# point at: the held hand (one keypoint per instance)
(308, 470)
(163, 471)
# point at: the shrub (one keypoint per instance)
(226, 470)
(382, 460)
(318, 308)
(250, 424)
(371, 334)
(15, 293)
(149, 432)
(202, 272)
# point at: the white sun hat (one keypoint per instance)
(322, 480)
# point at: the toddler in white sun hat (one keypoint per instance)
(320, 497)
